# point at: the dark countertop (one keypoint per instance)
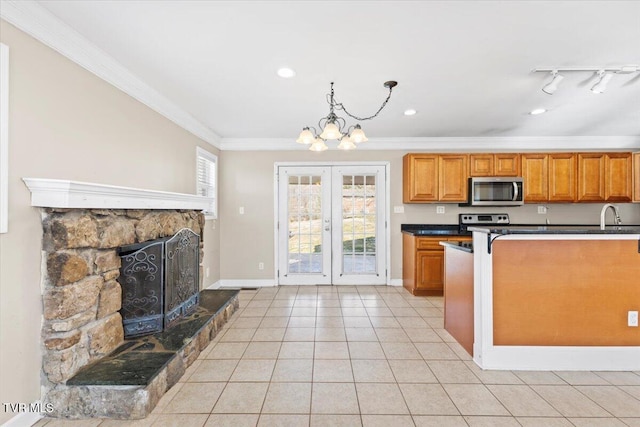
(433, 230)
(463, 246)
(558, 229)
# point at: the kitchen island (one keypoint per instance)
(556, 298)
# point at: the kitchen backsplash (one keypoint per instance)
(560, 213)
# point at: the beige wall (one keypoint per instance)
(246, 179)
(67, 123)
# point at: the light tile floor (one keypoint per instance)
(369, 356)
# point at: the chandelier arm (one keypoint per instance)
(340, 106)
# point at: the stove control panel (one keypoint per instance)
(484, 219)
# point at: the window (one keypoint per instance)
(207, 179)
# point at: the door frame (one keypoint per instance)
(387, 210)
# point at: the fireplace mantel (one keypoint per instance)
(59, 193)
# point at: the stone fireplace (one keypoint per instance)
(82, 296)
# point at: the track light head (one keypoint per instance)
(553, 85)
(601, 86)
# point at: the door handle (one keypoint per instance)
(515, 191)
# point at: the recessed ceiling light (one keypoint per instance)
(537, 111)
(410, 112)
(286, 73)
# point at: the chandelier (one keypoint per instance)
(335, 127)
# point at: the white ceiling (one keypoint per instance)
(465, 66)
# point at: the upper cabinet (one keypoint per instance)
(636, 177)
(548, 177)
(563, 169)
(535, 173)
(420, 178)
(501, 164)
(452, 177)
(605, 177)
(434, 177)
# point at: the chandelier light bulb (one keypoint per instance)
(346, 144)
(358, 136)
(553, 86)
(306, 137)
(330, 131)
(318, 145)
(601, 86)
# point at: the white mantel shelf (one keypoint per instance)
(60, 193)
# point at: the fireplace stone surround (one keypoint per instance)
(82, 297)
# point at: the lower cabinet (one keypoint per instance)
(423, 263)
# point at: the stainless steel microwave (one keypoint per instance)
(495, 191)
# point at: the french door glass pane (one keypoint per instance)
(305, 224)
(358, 224)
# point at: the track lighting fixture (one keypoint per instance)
(601, 86)
(605, 74)
(553, 85)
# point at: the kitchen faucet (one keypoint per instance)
(616, 214)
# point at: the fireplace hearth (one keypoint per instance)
(159, 280)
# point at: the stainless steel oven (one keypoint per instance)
(495, 191)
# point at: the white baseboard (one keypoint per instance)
(242, 283)
(262, 283)
(23, 419)
(395, 282)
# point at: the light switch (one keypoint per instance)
(241, 210)
(398, 209)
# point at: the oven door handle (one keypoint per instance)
(515, 191)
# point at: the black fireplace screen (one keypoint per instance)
(160, 282)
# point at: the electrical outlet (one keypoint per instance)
(241, 210)
(542, 210)
(632, 318)
(261, 266)
(439, 209)
(398, 209)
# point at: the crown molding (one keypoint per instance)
(41, 24)
(454, 144)
(60, 193)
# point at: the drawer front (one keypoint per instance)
(430, 242)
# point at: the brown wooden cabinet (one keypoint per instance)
(548, 177)
(618, 184)
(434, 177)
(423, 263)
(501, 164)
(535, 173)
(452, 178)
(591, 177)
(420, 178)
(605, 177)
(636, 177)
(562, 177)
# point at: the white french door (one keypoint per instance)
(331, 225)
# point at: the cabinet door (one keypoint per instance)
(535, 172)
(618, 177)
(430, 270)
(636, 177)
(562, 177)
(452, 178)
(420, 178)
(506, 164)
(591, 173)
(480, 164)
